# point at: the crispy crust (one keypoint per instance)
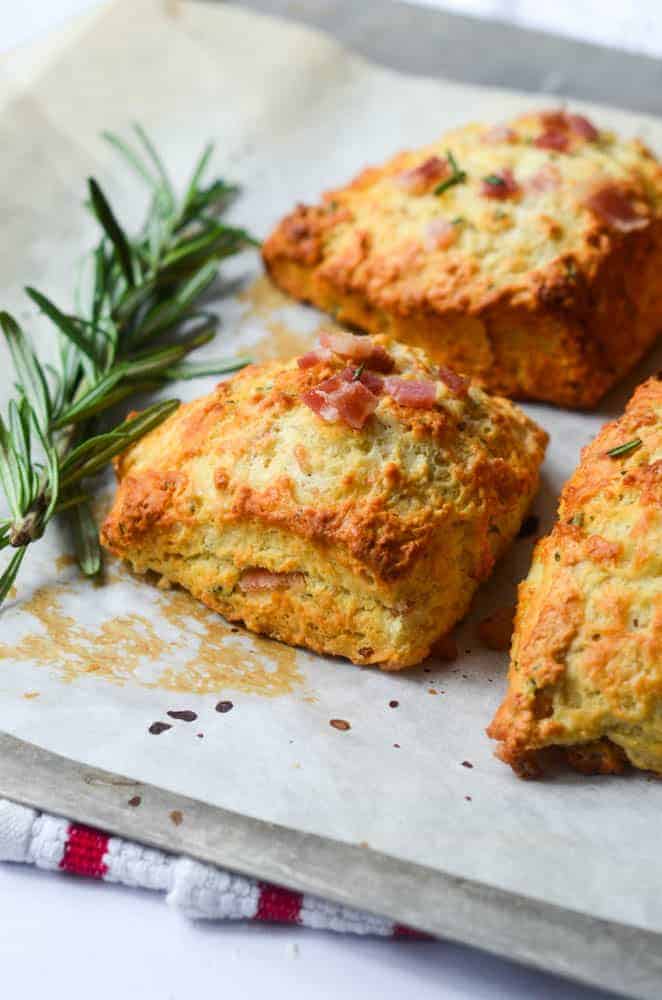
(249, 477)
(586, 659)
(536, 296)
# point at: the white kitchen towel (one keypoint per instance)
(198, 890)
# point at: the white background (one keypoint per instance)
(68, 937)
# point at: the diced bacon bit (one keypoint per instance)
(380, 359)
(554, 139)
(439, 234)
(359, 349)
(613, 206)
(500, 133)
(583, 127)
(500, 185)
(252, 580)
(554, 118)
(560, 126)
(600, 549)
(419, 180)
(457, 384)
(315, 357)
(547, 178)
(338, 399)
(371, 381)
(421, 394)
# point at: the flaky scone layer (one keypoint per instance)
(541, 292)
(379, 536)
(586, 660)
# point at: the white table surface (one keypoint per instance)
(67, 937)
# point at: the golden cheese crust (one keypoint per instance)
(539, 272)
(586, 658)
(372, 540)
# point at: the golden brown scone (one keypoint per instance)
(586, 658)
(366, 541)
(539, 272)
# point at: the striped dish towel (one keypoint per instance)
(198, 890)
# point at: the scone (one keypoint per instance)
(528, 255)
(349, 501)
(586, 663)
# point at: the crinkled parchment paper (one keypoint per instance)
(85, 669)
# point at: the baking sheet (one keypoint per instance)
(87, 669)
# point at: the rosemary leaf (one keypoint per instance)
(155, 361)
(457, 176)
(129, 432)
(19, 428)
(134, 298)
(131, 158)
(66, 503)
(53, 470)
(11, 572)
(92, 446)
(65, 324)
(112, 398)
(198, 171)
(113, 230)
(31, 377)
(92, 401)
(86, 538)
(10, 477)
(448, 183)
(216, 242)
(625, 449)
(157, 161)
(141, 423)
(19, 432)
(175, 308)
(196, 369)
(99, 287)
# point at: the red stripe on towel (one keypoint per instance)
(84, 852)
(401, 930)
(278, 905)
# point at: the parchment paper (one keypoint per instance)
(86, 669)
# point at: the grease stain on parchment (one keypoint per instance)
(64, 561)
(264, 301)
(263, 298)
(118, 649)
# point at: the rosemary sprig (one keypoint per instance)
(457, 176)
(141, 318)
(625, 449)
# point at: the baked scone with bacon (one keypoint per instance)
(586, 662)
(350, 500)
(528, 255)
